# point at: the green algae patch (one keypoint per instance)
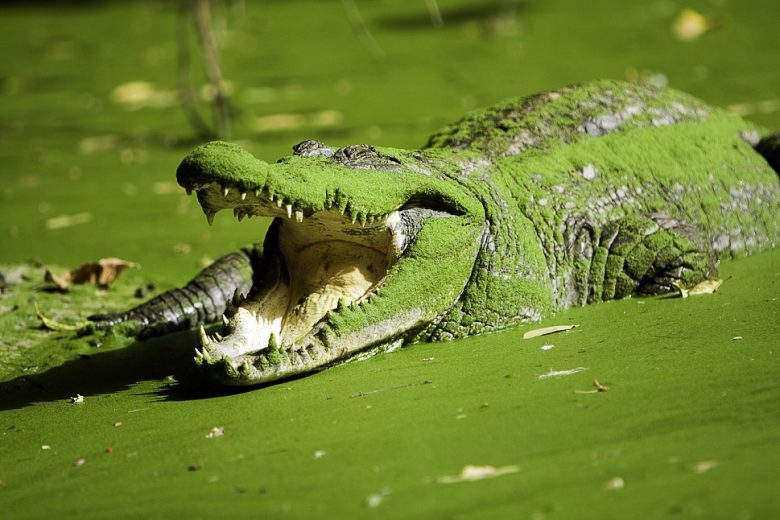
(401, 425)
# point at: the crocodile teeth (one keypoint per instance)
(257, 193)
(299, 216)
(243, 195)
(225, 319)
(279, 202)
(288, 207)
(204, 339)
(226, 191)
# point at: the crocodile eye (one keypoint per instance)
(365, 157)
(312, 148)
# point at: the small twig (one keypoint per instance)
(434, 12)
(210, 54)
(186, 92)
(361, 30)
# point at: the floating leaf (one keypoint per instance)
(547, 330)
(102, 272)
(215, 432)
(64, 221)
(705, 465)
(690, 25)
(705, 287)
(470, 473)
(54, 325)
(558, 373)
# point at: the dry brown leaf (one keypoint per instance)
(102, 272)
(547, 330)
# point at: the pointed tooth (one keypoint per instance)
(236, 297)
(299, 216)
(279, 202)
(210, 217)
(288, 207)
(257, 193)
(243, 195)
(225, 319)
(225, 191)
(204, 339)
(218, 337)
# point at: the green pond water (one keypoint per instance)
(688, 427)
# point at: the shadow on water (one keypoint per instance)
(454, 16)
(118, 370)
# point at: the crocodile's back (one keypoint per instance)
(564, 164)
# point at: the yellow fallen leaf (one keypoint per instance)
(471, 473)
(547, 330)
(690, 25)
(55, 325)
(64, 221)
(705, 287)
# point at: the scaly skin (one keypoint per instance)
(580, 195)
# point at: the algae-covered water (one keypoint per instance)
(90, 136)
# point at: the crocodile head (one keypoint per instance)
(368, 248)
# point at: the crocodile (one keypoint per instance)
(582, 194)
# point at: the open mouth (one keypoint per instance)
(313, 266)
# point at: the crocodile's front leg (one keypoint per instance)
(202, 300)
(647, 255)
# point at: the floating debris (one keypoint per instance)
(101, 272)
(597, 387)
(558, 373)
(64, 221)
(78, 399)
(544, 331)
(374, 499)
(55, 325)
(319, 454)
(704, 466)
(79, 463)
(689, 25)
(736, 338)
(471, 473)
(705, 287)
(215, 432)
(615, 483)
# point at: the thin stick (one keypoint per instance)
(213, 71)
(434, 12)
(360, 28)
(186, 92)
